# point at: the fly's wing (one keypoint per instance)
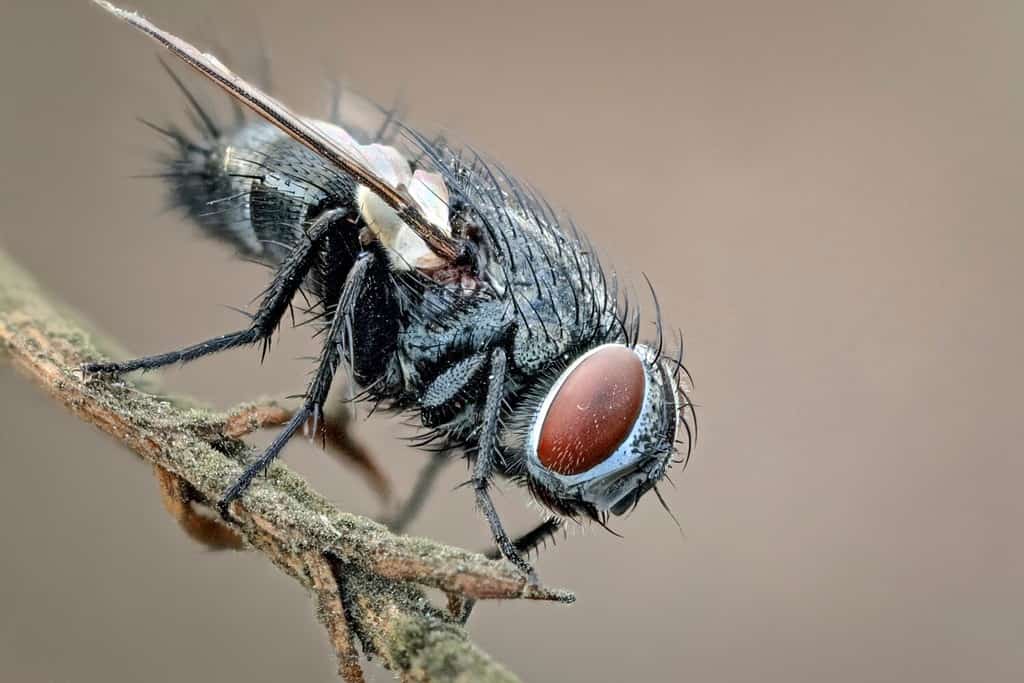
(411, 200)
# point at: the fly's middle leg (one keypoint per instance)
(276, 300)
(336, 340)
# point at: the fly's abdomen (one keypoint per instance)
(254, 187)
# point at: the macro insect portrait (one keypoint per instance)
(354, 339)
(443, 287)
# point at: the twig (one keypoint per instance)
(365, 580)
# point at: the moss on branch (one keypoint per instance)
(365, 580)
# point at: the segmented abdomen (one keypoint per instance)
(254, 187)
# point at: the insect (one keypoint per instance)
(448, 289)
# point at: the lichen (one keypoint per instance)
(282, 516)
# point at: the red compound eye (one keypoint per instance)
(593, 411)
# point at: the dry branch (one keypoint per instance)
(365, 580)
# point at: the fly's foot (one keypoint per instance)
(523, 546)
(105, 370)
(525, 567)
(224, 505)
(532, 580)
(224, 508)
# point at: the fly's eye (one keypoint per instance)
(592, 412)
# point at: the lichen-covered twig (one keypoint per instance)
(366, 581)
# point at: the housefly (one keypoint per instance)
(446, 288)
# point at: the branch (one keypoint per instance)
(366, 581)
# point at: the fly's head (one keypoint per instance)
(605, 432)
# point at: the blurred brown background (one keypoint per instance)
(828, 197)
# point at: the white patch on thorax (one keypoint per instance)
(428, 191)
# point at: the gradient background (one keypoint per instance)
(829, 201)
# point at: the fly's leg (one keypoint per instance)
(484, 468)
(316, 393)
(275, 303)
(425, 481)
(525, 544)
(532, 539)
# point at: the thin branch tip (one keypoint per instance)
(366, 581)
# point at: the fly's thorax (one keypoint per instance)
(604, 431)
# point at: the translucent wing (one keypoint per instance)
(370, 165)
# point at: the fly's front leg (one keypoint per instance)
(462, 607)
(272, 308)
(532, 539)
(484, 468)
(319, 387)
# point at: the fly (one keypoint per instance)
(446, 289)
